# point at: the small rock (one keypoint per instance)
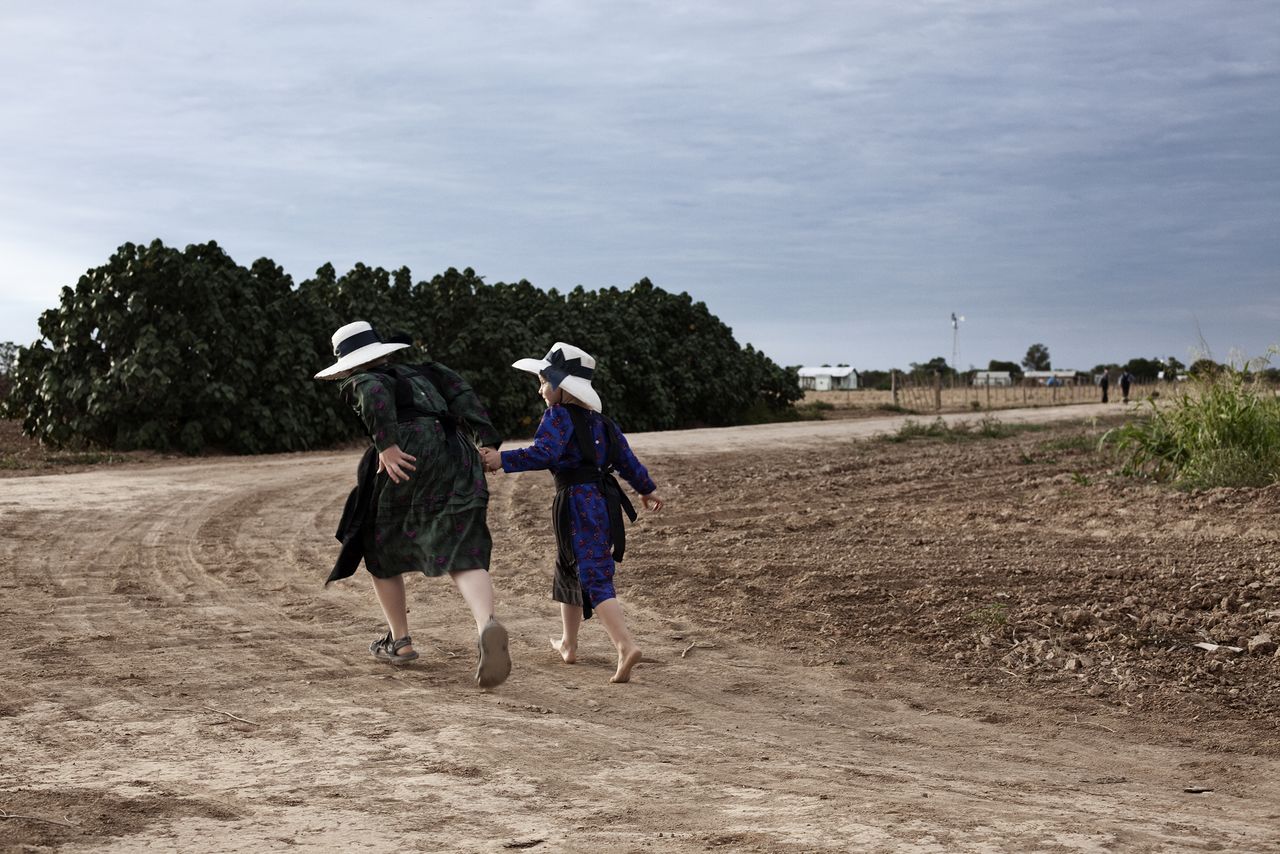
(1073, 663)
(1261, 644)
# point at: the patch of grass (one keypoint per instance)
(1225, 432)
(1076, 442)
(988, 427)
(813, 411)
(84, 458)
(991, 616)
(761, 413)
(912, 429)
(1080, 479)
(895, 408)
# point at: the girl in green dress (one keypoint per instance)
(424, 508)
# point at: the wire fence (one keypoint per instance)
(917, 396)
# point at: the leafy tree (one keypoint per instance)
(1012, 367)
(1037, 358)
(879, 380)
(168, 349)
(161, 348)
(8, 356)
(1144, 370)
(1204, 367)
(936, 365)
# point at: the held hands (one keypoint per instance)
(652, 501)
(396, 463)
(491, 459)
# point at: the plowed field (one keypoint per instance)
(850, 645)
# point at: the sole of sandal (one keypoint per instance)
(495, 659)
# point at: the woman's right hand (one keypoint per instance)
(396, 463)
(490, 459)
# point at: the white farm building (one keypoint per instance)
(828, 379)
(1050, 377)
(996, 378)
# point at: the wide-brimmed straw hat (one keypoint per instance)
(566, 366)
(357, 344)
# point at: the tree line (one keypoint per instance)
(168, 349)
(1143, 370)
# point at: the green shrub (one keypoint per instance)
(1224, 432)
(170, 349)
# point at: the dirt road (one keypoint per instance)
(176, 679)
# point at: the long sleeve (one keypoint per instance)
(548, 446)
(465, 405)
(630, 467)
(376, 407)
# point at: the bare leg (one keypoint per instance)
(390, 593)
(610, 613)
(567, 643)
(477, 591)
(494, 664)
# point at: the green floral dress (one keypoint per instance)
(434, 522)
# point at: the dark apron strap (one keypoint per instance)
(615, 499)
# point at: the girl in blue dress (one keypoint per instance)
(582, 448)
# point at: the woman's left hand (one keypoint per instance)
(396, 463)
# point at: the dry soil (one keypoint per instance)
(851, 644)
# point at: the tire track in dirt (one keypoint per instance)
(736, 746)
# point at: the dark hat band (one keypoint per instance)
(354, 342)
(559, 368)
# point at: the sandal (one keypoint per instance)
(386, 649)
(495, 660)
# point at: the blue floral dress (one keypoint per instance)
(434, 522)
(555, 448)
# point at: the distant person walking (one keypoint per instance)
(421, 498)
(1105, 383)
(1126, 380)
(581, 447)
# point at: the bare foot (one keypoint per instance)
(626, 661)
(568, 653)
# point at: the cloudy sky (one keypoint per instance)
(833, 179)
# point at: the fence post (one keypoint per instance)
(893, 385)
(937, 391)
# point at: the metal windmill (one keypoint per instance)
(956, 320)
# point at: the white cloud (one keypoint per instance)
(867, 157)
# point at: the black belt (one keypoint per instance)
(615, 500)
